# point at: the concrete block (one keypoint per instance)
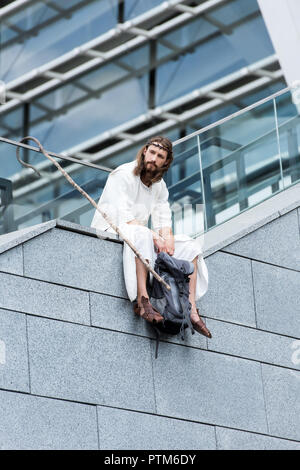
(209, 387)
(87, 230)
(44, 299)
(195, 341)
(281, 389)
(250, 343)
(36, 423)
(252, 219)
(230, 291)
(235, 229)
(73, 259)
(277, 242)
(231, 439)
(290, 206)
(128, 430)
(11, 261)
(12, 239)
(117, 314)
(90, 365)
(276, 292)
(14, 374)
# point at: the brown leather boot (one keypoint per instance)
(200, 327)
(150, 313)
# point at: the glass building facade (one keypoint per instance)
(94, 79)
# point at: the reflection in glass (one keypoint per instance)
(32, 199)
(39, 33)
(212, 51)
(75, 124)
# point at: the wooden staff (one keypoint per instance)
(106, 217)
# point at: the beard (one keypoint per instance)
(151, 168)
(151, 172)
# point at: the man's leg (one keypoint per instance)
(193, 282)
(141, 277)
(145, 308)
(141, 237)
(144, 244)
(197, 321)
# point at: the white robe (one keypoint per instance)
(125, 198)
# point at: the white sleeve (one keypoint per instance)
(161, 213)
(115, 200)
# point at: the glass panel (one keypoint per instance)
(118, 158)
(224, 170)
(211, 48)
(74, 115)
(185, 194)
(288, 114)
(128, 155)
(27, 199)
(237, 10)
(241, 163)
(214, 115)
(11, 127)
(88, 106)
(39, 33)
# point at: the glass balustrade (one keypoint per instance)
(243, 160)
(185, 189)
(217, 173)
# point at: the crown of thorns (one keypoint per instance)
(157, 145)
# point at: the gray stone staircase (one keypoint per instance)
(77, 368)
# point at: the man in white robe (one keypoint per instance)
(132, 193)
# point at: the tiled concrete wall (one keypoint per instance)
(77, 368)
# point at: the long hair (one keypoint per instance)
(139, 170)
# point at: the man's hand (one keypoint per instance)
(159, 243)
(164, 241)
(170, 244)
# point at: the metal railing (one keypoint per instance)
(294, 87)
(265, 133)
(218, 171)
